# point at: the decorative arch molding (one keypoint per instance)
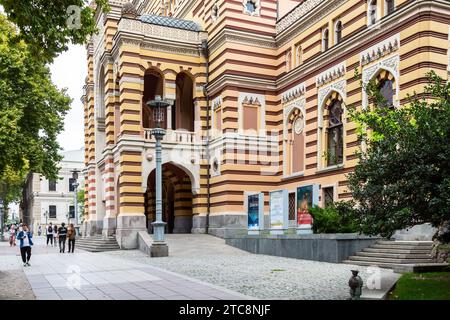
(324, 93)
(299, 104)
(172, 157)
(292, 113)
(391, 65)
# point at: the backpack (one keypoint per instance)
(50, 229)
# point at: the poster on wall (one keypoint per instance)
(255, 211)
(307, 198)
(279, 210)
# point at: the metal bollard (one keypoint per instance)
(355, 283)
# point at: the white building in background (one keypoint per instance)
(53, 201)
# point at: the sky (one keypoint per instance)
(69, 70)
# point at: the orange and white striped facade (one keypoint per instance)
(252, 85)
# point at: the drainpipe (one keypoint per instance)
(208, 125)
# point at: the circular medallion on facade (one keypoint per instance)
(299, 125)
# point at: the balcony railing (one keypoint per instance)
(173, 136)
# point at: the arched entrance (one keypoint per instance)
(176, 198)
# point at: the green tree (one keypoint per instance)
(49, 26)
(32, 109)
(403, 177)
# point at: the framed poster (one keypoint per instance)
(307, 196)
(279, 205)
(255, 211)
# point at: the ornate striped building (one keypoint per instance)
(259, 92)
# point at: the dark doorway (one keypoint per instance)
(176, 200)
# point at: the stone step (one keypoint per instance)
(398, 251)
(393, 255)
(98, 248)
(389, 260)
(404, 242)
(96, 242)
(400, 247)
(371, 264)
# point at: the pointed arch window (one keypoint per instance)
(338, 32)
(386, 87)
(288, 61)
(325, 36)
(390, 6)
(372, 12)
(295, 142)
(299, 55)
(335, 134)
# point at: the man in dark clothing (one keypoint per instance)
(50, 234)
(62, 235)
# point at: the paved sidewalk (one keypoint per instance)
(97, 276)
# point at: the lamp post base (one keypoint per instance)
(159, 249)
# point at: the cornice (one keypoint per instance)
(304, 20)
(246, 38)
(240, 81)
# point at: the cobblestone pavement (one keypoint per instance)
(97, 276)
(266, 277)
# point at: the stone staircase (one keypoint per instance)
(402, 256)
(97, 244)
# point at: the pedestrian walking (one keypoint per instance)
(26, 242)
(55, 234)
(71, 233)
(62, 234)
(39, 230)
(12, 235)
(49, 231)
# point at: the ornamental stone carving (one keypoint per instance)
(298, 104)
(331, 74)
(129, 11)
(339, 87)
(390, 64)
(151, 30)
(295, 15)
(380, 50)
(293, 93)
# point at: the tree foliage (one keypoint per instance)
(49, 26)
(32, 110)
(403, 177)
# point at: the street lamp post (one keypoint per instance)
(2, 220)
(75, 185)
(159, 247)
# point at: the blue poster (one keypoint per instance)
(253, 212)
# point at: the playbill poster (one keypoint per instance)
(277, 209)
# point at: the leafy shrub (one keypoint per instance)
(333, 219)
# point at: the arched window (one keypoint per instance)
(153, 86)
(295, 142)
(338, 32)
(372, 12)
(288, 61)
(390, 6)
(325, 36)
(215, 12)
(101, 112)
(335, 134)
(386, 87)
(299, 56)
(183, 116)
